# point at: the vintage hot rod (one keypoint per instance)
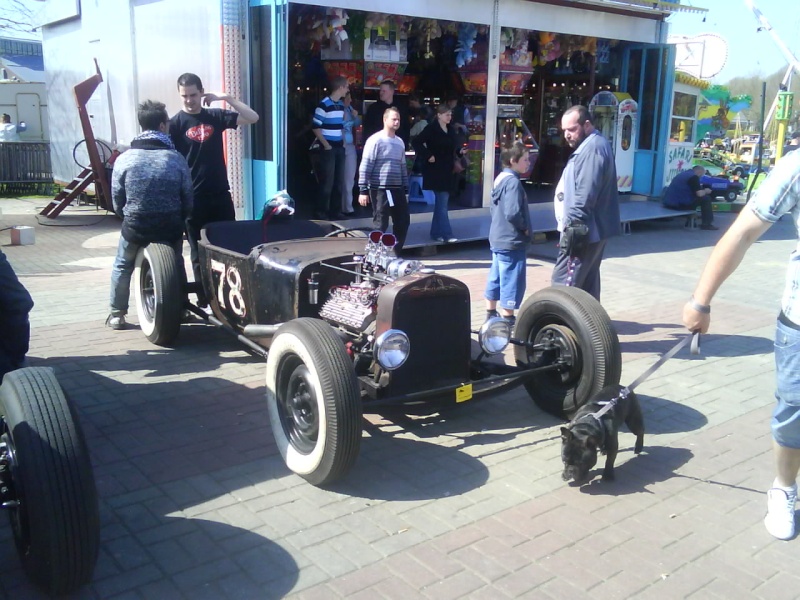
(346, 325)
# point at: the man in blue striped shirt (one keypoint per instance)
(383, 178)
(328, 123)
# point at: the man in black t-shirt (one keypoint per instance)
(197, 134)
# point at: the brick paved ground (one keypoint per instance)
(196, 502)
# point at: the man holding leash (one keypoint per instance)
(777, 196)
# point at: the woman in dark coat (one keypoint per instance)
(436, 148)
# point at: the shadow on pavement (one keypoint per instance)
(710, 346)
(169, 458)
(664, 416)
(656, 463)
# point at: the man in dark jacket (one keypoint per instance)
(586, 203)
(15, 329)
(151, 187)
(373, 117)
(685, 192)
(509, 235)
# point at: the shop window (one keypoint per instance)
(684, 112)
(261, 81)
(681, 130)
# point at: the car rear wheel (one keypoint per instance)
(568, 324)
(47, 481)
(157, 287)
(314, 401)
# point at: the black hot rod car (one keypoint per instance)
(346, 325)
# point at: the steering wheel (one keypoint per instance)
(354, 232)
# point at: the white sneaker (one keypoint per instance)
(116, 322)
(780, 512)
(452, 240)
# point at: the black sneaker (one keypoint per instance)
(491, 314)
(709, 228)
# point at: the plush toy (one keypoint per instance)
(467, 32)
(337, 19)
(549, 47)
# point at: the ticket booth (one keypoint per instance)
(615, 115)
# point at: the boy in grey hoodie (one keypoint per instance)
(509, 235)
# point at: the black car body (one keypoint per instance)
(346, 325)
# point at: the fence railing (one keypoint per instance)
(25, 168)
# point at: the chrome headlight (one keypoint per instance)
(494, 335)
(392, 349)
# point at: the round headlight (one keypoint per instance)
(391, 349)
(494, 335)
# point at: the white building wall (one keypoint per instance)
(141, 46)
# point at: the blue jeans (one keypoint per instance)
(506, 283)
(122, 270)
(440, 224)
(786, 415)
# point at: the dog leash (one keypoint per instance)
(693, 337)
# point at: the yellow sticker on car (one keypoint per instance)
(464, 393)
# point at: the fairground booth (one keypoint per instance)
(516, 66)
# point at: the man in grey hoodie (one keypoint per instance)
(509, 235)
(151, 187)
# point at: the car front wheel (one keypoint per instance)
(157, 287)
(731, 195)
(314, 401)
(567, 325)
(46, 481)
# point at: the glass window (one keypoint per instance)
(684, 105)
(681, 130)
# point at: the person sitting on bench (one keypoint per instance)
(685, 193)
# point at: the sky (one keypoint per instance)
(749, 52)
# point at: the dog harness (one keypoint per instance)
(608, 405)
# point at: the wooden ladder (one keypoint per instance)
(69, 193)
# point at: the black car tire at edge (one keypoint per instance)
(157, 287)
(731, 195)
(57, 524)
(582, 328)
(314, 401)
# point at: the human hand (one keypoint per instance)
(210, 97)
(363, 199)
(432, 159)
(327, 146)
(694, 320)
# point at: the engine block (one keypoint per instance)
(352, 306)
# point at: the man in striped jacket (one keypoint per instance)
(328, 127)
(383, 178)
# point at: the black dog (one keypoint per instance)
(588, 433)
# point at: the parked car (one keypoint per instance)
(347, 326)
(722, 187)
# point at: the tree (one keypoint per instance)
(16, 17)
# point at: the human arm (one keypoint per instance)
(118, 196)
(724, 259)
(514, 204)
(420, 145)
(316, 125)
(697, 187)
(587, 166)
(187, 191)
(247, 116)
(365, 171)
